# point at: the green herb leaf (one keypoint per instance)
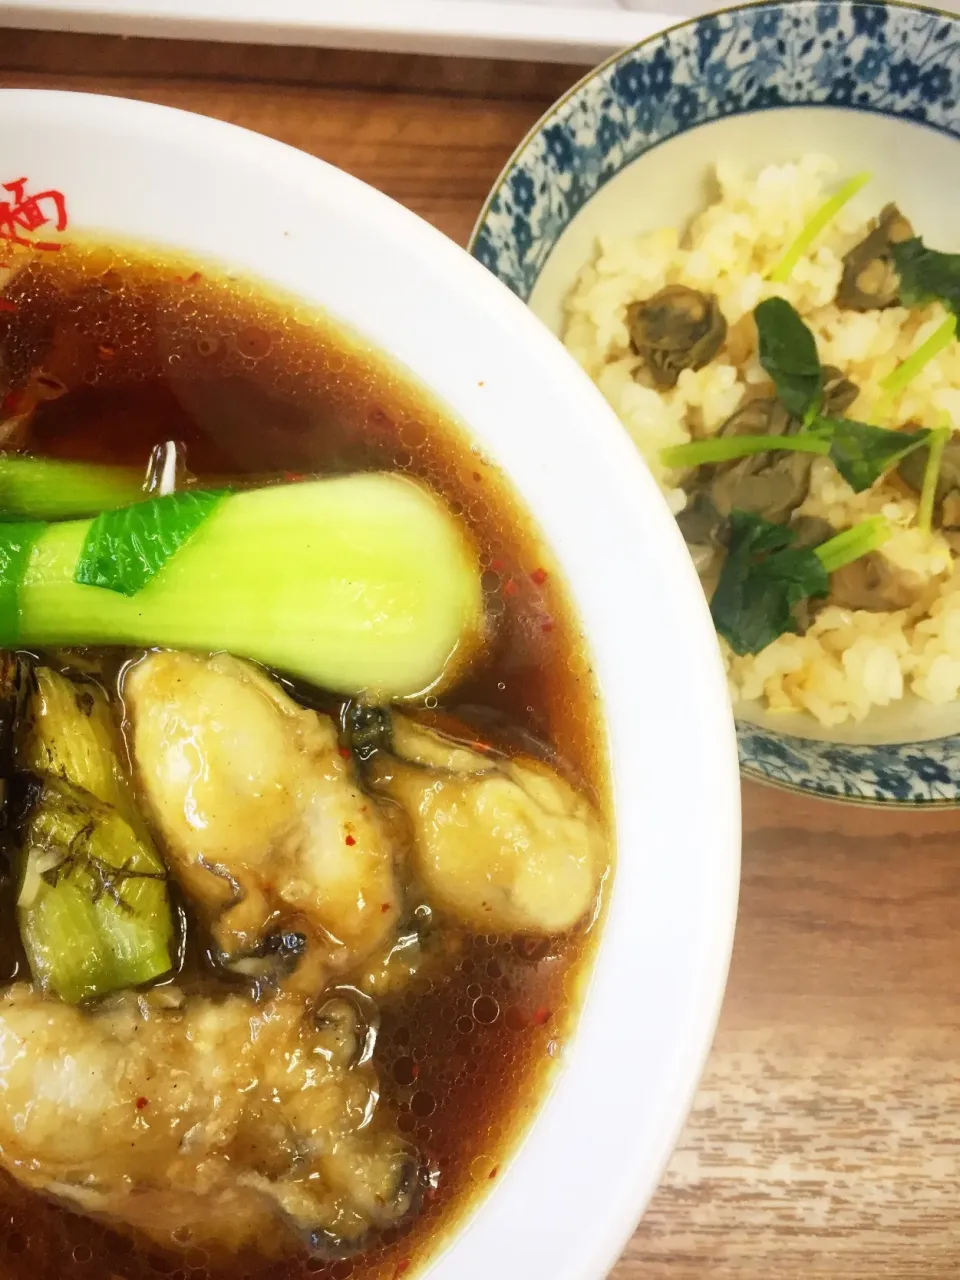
(788, 353)
(16, 542)
(862, 453)
(763, 579)
(859, 451)
(124, 549)
(926, 275)
(765, 576)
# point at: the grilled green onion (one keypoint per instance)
(92, 905)
(93, 908)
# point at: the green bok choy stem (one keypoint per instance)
(51, 489)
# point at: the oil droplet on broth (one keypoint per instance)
(483, 1167)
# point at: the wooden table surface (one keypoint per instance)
(825, 1139)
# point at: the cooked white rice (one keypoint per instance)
(848, 661)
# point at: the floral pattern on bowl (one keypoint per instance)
(891, 59)
(910, 773)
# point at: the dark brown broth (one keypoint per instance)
(255, 384)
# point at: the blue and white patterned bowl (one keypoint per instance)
(877, 85)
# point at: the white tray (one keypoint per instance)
(582, 31)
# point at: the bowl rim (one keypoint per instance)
(908, 773)
(657, 37)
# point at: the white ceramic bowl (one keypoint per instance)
(568, 1200)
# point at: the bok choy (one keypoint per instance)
(52, 489)
(361, 583)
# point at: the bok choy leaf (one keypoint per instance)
(124, 549)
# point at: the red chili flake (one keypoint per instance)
(106, 353)
(292, 476)
(415, 1071)
(7, 305)
(345, 752)
(493, 1172)
(541, 1016)
(510, 587)
(546, 624)
(350, 840)
(539, 576)
(496, 565)
(385, 906)
(11, 402)
(193, 277)
(142, 1102)
(402, 1266)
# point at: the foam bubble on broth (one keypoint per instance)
(253, 383)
